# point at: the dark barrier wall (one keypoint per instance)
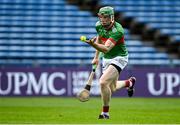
(67, 81)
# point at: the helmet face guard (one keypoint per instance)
(105, 20)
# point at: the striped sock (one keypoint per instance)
(128, 83)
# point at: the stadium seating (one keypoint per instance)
(43, 32)
(163, 15)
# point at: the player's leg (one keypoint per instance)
(106, 79)
(113, 86)
(110, 74)
(125, 83)
(116, 84)
(128, 84)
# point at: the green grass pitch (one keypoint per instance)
(48, 110)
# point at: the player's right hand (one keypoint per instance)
(95, 61)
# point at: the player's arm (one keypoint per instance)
(98, 44)
(100, 47)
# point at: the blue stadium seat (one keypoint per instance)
(35, 32)
(156, 13)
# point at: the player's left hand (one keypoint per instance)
(91, 41)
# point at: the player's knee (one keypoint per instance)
(103, 83)
(113, 88)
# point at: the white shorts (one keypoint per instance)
(120, 61)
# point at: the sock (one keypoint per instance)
(128, 83)
(105, 113)
(105, 110)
